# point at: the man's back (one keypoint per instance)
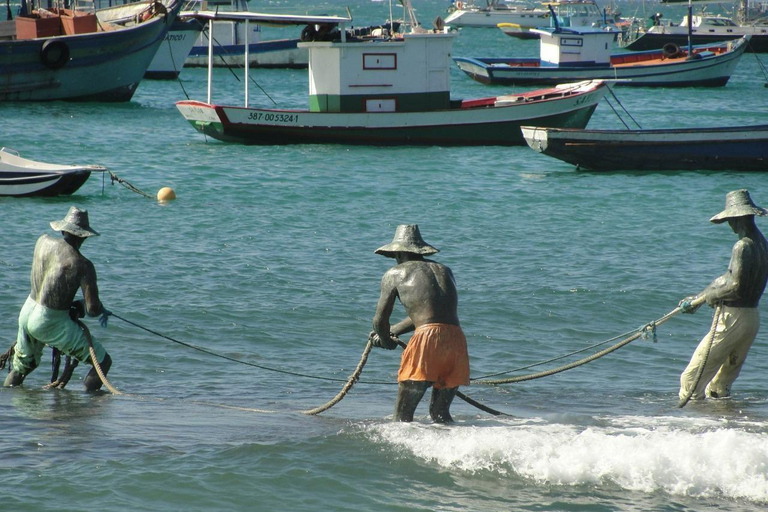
(57, 272)
(427, 290)
(753, 250)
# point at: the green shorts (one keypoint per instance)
(40, 326)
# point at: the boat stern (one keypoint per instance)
(203, 117)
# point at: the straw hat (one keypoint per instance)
(738, 204)
(407, 239)
(76, 222)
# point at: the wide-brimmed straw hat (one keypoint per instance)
(76, 222)
(407, 239)
(738, 204)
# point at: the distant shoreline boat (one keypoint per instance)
(743, 148)
(22, 177)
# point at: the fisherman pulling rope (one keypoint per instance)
(436, 356)
(50, 313)
(718, 359)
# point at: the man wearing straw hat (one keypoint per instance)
(736, 294)
(437, 352)
(58, 271)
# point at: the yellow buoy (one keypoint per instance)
(166, 194)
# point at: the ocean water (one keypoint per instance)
(267, 257)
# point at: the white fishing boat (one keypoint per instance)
(706, 28)
(171, 54)
(469, 14)
(388, 90)
(229, 37)
(572, 54)
(23, 177)
(576, 14)
(69, 55)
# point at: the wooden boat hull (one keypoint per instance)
(474, 122)
(99, 66)
(42, 185)
(711, 70)
(704, 149)
(22, 177)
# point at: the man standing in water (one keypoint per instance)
(437, 352)
(58, 271)
(736, 295)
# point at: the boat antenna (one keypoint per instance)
(554, 17)
(391, 20)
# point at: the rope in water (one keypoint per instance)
(356, 375)
(639, 333)
(347, 386)
(95, 360)
(210, 353)
(715, 320)
(115, 178)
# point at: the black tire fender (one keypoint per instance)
(54, 54)
(670, 50)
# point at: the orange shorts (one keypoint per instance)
(437, 353)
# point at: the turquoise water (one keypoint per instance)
(267, 257)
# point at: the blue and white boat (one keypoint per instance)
(22, 177)
(99, 65)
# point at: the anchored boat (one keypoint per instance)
(23, 177)
(70, 56)
(386, 89)
(735, 148)
(584, 54)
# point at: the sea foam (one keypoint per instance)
(691, 457)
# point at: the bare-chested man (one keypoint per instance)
(58, 271)
(737, 293)
(437, 352)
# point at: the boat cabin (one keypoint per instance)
(561, 47)
(405, 74)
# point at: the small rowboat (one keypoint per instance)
(23, 177)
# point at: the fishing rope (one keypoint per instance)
(715, 320)
(760, 63)
(640, 332)
(563, 356)
(356, 375)
(616, 112)
(623, 107)
(232, 359)
(95, 360)
(115, 178)
(347, 386)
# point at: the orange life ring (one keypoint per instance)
(459, 5)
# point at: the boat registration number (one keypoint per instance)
(272, 117)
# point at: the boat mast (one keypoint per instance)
(690, 29)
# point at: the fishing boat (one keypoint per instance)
(705, 29)
(229, 38)
(573, 54)
(177, 43)
(71, 56)
(386, 91)
(171, 54)
(743, 148)
(564, 13)
(468, 14)
(22, 177)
